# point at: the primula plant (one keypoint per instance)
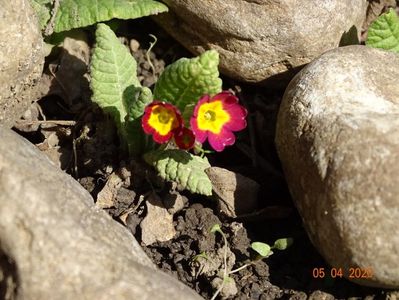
(168, 126)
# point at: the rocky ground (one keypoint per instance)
(173, 227)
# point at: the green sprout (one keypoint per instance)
(262, 249)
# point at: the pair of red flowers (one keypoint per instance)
(214, 118)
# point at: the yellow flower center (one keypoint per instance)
(163, 120)
(212, 117)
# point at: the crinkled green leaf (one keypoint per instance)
(116, 88)
(384, 32)
(113, 73)
(42, 9)
(182, 167)
(135, 108)
(186, 80)
(262, 249)
(81, 13)
(135, 105)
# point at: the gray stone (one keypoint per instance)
(235, 194)
(59, 245)
(338, 140)
(263, 41)
(21, 59)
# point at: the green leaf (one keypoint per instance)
(182, 167)
(262, 249)
(135, 106)
(186, 80)
(282, 244)
(384, 32)
(199, 256)
(116, 88)
(82, 13)
(42, 9)
(113, 74)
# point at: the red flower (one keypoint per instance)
(161, 120)
(184, 138)
(216, 118)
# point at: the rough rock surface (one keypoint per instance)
(338, 139)
(21, 59)
(56, 244)
(262, 41)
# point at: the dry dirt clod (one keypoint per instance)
(107, 196)
(157, 226)
(319, 295)
(236, 194)
(174, 202)
(67, 76)
(229, 287)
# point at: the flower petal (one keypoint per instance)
(201, 101)
(219, 141)
(238, 116)
(146, 116)
(200, 135)
(215, 118)
(226, 97)
(160, 119)
(161, 139)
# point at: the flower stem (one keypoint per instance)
(240, 268)
(225, 273)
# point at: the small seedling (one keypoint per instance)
(216, 228)
(262, 249)
(199, 256)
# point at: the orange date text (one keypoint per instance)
(351, 273)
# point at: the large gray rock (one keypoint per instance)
(21, 59)
(263, 41)
(58, 245)
(338, 141)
